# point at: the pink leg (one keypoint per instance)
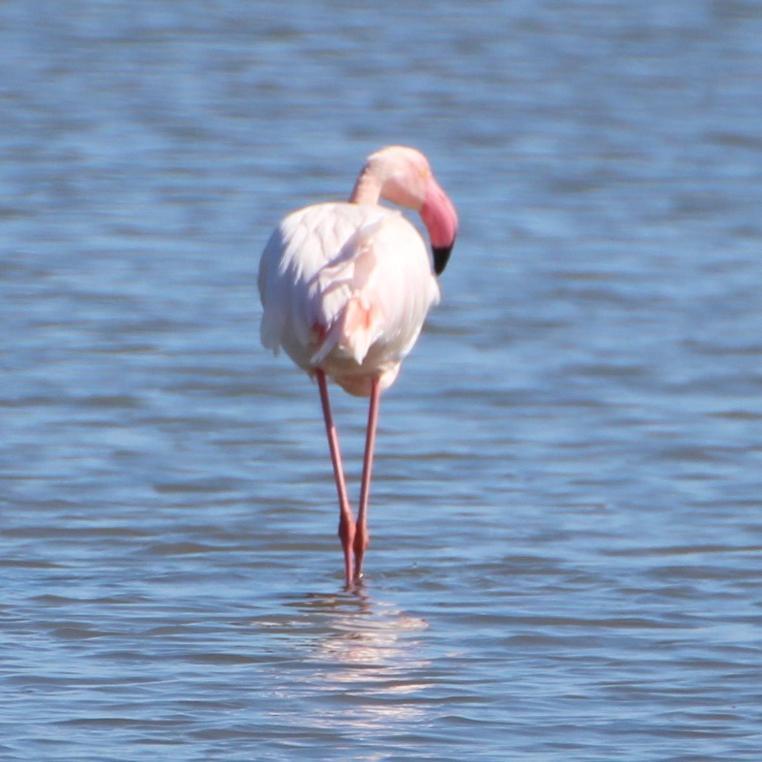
(361, 536)
(346, 521)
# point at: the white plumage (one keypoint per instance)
(346, 287)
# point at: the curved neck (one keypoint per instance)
(367, 188)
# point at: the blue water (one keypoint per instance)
(566, 556)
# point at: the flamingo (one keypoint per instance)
(345, 289)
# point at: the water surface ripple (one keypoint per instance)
(566, 525)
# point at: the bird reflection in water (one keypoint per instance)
(366, 651)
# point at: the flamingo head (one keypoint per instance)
(403, 176)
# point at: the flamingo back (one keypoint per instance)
(346, 287)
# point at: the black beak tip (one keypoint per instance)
(441, 256)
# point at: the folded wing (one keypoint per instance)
(345, 286)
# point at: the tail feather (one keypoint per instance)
(359, 327)
(353, 333)
(349, 311)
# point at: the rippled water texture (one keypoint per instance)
(566, 555)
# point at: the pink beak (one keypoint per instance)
(441, 220)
